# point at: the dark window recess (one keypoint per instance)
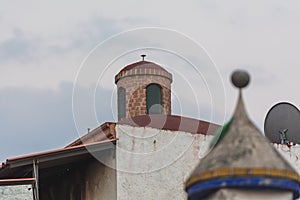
(121, 103)
(153, 99)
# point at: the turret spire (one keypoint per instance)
(242, 159)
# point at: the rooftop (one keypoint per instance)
(142, 65)
(143, 68)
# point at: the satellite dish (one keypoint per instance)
(282, 124)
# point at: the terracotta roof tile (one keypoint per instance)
(172, 123)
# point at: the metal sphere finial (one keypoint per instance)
(240, 78)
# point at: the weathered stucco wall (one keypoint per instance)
(21, 192)
(154, 164)
(234, 194)
(100, 182)
(291, 154)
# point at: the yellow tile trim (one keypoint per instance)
(292, 176)
(277, 173)
(258, 171)
(207, 175)
(240, 172)
(221, 173)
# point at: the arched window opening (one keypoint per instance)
(154, 99)
(121, 103)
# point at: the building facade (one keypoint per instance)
(148, 154)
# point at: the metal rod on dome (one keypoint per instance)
(143, 57)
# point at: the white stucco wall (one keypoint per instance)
(154, 164)
(234, 194)
(291, 154)
(21, 192)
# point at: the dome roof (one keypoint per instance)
(142, 65)
(143, 68)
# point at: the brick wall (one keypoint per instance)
(135, 82)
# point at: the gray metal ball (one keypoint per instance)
(240, 78)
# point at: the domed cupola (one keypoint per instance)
(143, 88)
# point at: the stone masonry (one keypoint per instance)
(135, 81)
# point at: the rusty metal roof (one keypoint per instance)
(102, 132)
(18, 166)
(17, 181)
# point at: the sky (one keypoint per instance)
(46, 46)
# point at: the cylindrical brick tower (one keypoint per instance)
(143, 88)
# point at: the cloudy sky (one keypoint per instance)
(44, 47)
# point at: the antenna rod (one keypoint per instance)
(143, 57)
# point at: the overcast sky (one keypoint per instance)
(43, 44)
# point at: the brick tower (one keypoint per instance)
(143, 88)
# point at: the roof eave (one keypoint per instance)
(60, 153)
(17, 181)
(100, 129)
